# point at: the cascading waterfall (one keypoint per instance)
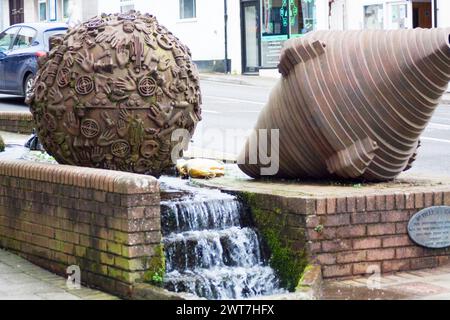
(211, 248)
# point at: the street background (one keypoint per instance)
(231, 105)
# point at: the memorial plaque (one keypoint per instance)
(430, 227)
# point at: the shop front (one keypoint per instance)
(267, 24)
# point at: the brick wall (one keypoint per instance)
(364, 231)
(18, 122)
(106, 222)
(346, 235)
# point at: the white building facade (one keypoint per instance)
(389, 14)
(238, 36)
(70, 11)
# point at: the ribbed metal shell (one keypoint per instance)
(353, 104)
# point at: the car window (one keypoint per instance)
(52, 33)
(24, 38)
(7, 37)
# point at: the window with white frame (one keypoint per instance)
(52, 7)
(42, 10)
(66, 8)
(126, 5)
(187, 9)
(373, 16)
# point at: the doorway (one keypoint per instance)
(422, 14)
(250, 30)
(16, 12)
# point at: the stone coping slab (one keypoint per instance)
(318, 189)
(98, 179)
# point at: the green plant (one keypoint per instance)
(157, 278)
(287, 262)
(319, 228)
(156, 267)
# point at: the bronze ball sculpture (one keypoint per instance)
(111, 92)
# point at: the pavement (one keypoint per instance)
(426, 284)
(22, 280)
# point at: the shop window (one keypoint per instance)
(302, 17)
(373, 16)
(42, 10)
(188, 9)
(126, 5)
(281, 20)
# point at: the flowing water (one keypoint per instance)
(212, 250)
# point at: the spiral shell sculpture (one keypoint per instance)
(353, 104)
(112, 91)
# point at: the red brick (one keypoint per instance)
(314, 247)
(336, 220)
(327, 233)
(326, 258)
(352, 231)
(360, 204)
(321, 206)
(390, 202)
(365, 217)
(370, 203)
(380, 254)
(365, 268)
(396, 241)
(380, 202)
(446, 196)
(395, 265)
(444, 260)
(351, 204)
(336, 245)
(366, 243)
(424, 262)
(438, 198)
(408, 252)
(428, 199)
(381, 229)
(394, 216)
(337, 271)
(418, 200)
(341, 205)
(352, 256)
(401, 227)
(399, 201)
(312, 221)
(409, 200)
(331, 205)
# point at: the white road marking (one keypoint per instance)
(229, 84)
(435, 139)
(210, 111)
(235, 100)
(440, 126)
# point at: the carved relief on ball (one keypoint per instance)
(111, 92)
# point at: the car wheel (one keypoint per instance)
(28, 85)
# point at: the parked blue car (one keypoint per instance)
(20, 47)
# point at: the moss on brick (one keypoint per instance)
(288, 263)
(156, 267)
